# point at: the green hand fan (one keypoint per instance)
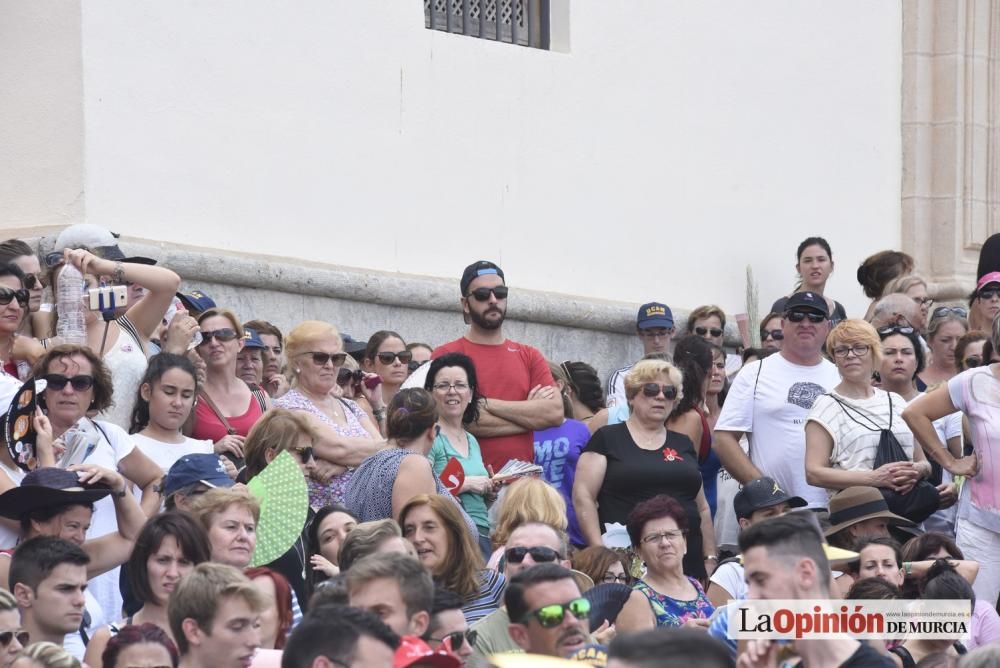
(284, 505)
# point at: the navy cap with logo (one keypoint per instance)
(760, 494)
(654, 314)
(807, 300)
(189, 469)
(196, 301)
(251, 339)
(477, 269)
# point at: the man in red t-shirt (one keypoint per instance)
(520, 396)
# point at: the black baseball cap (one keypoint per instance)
(477, 269)
(807, 300)
(760, 494)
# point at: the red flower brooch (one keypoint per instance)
(670, 455)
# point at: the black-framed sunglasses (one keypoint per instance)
(653, 390)
(942, 311)
(32, 281)
(57, 382)
(895, 329)
(320, 359)
(306, 454)
(224, 335)
(347, 377)
(413, 365)
(387, 358)
(972, 362)
(540, 554)
(775, 334)
(799, 316)
(7, 295)
(54, 259)
(714, 331)
(23, 638)
(455, 639)
(988, 293)
(551, 616)
(483, 294)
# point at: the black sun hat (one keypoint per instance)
(47, 487)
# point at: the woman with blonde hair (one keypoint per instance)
(10, 628)
(345, 434)
(451, 555)
(627, 463)
(45, 655)
(526, 500)
(372, 538)
(227, 408)
(844, 427)
(948, 324)
(230, 516)
(914, 287)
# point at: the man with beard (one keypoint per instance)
(548, 614)
(519, 395)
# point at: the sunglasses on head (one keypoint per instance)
(388, 358)
(799, 316)
(942, 311)
(895, 329)
(775, 334)
(714, 331)
(652, 390)
(347, 377)
(516, 555)
(221, 335)
(320, 359)
(23, 638)
(7, 296)
(483, 294)
(456, 639)
(57, 382)
(551, 616)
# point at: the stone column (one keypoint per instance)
(951, 81)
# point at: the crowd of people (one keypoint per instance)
(470, 501)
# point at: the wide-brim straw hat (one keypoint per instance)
(857, 504)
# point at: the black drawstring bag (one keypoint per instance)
(923, 499)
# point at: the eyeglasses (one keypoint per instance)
(942, 311)
(447, 387)
(346, 377)
(714, 331)
(389, 358)
(844, 351)
(656, 333)
(652, 390)
(7, 296)
(23, 637)
(483, 294)
(895, 329)
(306, 454)
(221, 335)
(799, 316)
(988, 293)
(611, 578)
(775, 334)
(923, 301)
(320, 359)
(57, 382)
(671, 536)
(516, 555)
(972, 362)
(552, 616)
(455, 639)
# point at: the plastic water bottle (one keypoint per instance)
(71, 326)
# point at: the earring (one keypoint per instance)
(298, 371)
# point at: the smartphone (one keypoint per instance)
(371, 382)
(108, 297)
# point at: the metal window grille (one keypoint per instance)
(523, 22)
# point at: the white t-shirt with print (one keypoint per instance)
(771, 407)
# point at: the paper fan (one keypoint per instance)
(19, 427)
(284, 505)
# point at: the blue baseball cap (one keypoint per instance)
(251, 339)
(189, 469)
(654, 314)
(196, 301)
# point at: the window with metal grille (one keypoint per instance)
(523, 22)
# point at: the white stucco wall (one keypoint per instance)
(673, 143)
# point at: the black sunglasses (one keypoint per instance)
(516, 555)
(57, 382)
(413, 365)
(799, 316)
(895, 329)
(389, 358)
(455, 639)
(988, 293)
(23, 638)
(31, 281)
(305, 454)
(320, 359)
(346, 377)
(652, 390)
(775, 334)
(702, 331)
(7, 296)
(54, 259)
(222, 335)
(483, 294)
(972, 362)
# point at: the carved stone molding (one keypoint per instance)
(951, 138)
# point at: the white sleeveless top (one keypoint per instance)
(127, 363)
(9, 537)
